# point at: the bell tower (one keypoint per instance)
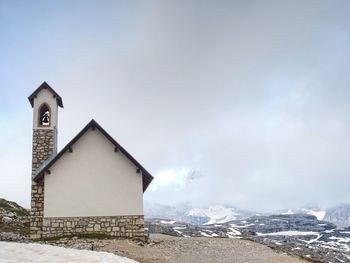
(45, 102)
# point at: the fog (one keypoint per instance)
(242, 103)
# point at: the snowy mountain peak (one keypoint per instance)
(320, 214)
(216, 214)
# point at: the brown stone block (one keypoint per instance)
(139, 221)
(38, 205)
(115, 229)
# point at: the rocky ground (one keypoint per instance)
(170, 249)
(301, 235)
(14, 221)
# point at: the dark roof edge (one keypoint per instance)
(146, 176)
(44, 85)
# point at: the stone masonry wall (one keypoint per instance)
(115, 226)
(43, 147)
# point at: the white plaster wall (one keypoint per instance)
(45, 96)
(93, 180)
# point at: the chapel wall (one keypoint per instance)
(115, 226)
(93, 180)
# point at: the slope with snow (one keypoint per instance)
(216, 214)
(320, 214)
(339, 215)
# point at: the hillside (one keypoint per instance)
(7, 207)
(339, 215)
(14, 221)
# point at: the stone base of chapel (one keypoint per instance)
(115, 226)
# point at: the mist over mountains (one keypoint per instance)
(322, 235)
(217, 214)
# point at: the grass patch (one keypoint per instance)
(79, 236)
(94, 236)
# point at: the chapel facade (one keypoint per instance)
(91, 186)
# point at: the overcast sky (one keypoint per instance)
(242, 103)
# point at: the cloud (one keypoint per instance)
(174, 180)
(252, 94)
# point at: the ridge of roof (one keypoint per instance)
(146, 176)
(44, 85)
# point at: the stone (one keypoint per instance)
(139, 221)
(93, 225)
(7, 220)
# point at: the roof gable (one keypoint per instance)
(146, 176)
(44, 85)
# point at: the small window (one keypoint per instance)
(44, 115)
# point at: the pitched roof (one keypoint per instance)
(44, 85)
(146, 176)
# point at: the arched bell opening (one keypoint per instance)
(44, 115)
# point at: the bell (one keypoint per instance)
(46, 118)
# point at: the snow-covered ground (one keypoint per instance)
(168, 222)
(11, 252)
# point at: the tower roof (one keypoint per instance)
(44, 85)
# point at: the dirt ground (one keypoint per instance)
(168, 249)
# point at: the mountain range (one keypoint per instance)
(218, 214)
(311, 233)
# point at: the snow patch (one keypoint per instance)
(167, 222)
(234, 232)
(11, 252)
(244, 226)
(179, 227)
(319, 214)
(341, 239)
(205, 234)
(289, 233)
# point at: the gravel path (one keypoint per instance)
(168, 249)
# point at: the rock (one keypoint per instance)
(297, 234)
(11, 215)
(7, 220)
(9, 236)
